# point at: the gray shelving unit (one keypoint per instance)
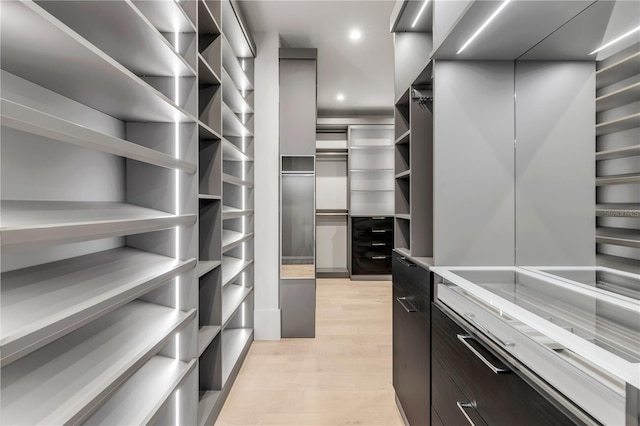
(139, 151)
(617, 234)
(226, 203)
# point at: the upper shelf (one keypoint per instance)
(231, 124)
(76, 68)
(232, 239)
(618, 71)
(232, 267)
(206, 74)
(208, 22)
(618, 125)
(233, 213)
(618, 210)
(141, 48)
(620, 97)
(55, 222)
(227, 178)
(206, 266)
(140, 398)
(627, 151)
(166, 16)
(75, 373)
(45, 302)
(233, 66)
(29, 120)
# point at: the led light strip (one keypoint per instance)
(424, 6)
(483, 26)
(623, 36)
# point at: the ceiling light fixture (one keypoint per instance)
(616, 40)
(424, 5)
(340, 97)
(355, 35)
(487, 22)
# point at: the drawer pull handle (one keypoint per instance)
(485, 361)
(378, 231)
(405, 304)
(378, 257)
(462, 406)
(406, 262)
(378, 244)
(378, 218)
(471, 318)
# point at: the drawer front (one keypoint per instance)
(372, 248)
(372, 265)
(501, 397)
(413, 280)
(375, 222)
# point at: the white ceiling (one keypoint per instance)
(361, 70)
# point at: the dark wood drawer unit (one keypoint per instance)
(471, 380)
(371, 245)
(412, 341)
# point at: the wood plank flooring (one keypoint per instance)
(342, 377)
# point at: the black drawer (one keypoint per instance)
(373, 248)
(499, 395)
(414, 280)
(375, 222)
(372, 265)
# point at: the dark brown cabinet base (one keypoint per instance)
(371, 245)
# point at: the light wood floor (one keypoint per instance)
(342, 377)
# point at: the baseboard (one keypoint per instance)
(267, 324)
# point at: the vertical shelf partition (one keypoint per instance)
(139, 144)
(226, 204)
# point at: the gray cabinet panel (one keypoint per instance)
(297, 106)
(298, 307)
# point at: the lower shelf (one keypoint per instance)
(207, 405)
(206, 266)
(206, 334)
(67, 380)
(235, 342)
(141, 397)
(232, 297)
(232, 267)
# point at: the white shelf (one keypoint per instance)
(620, 97)
(627, 151)
(371, 170)
(207, 133)
(232, 267)
(141, 48)
(227, 178)
(45, 302)
(25, 119)
(232, 239)
(231, 124)
(618, 237)
(232, 96)
(206, 405)
(139, 399)
(74, 374)
(206, 74)
(404, 174)
(233, 67)
(230, 152)
(234, 341)
(618, 179)
(618, 71)
(372, 190)
(206, 266)
(49, 222)
(206, 334)
(232, 297)
(618, 210)
(233, 213)
(372, 148)
(166, 16)
(207, 22)
(404, 138)
(77, 69)
(618, 125)
(209, 197)
(403, 216)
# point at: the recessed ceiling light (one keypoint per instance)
(616, 40)
(483, 26)
(415, 21)
(355, 35)
(340, 97)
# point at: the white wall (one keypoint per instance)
(267, 171)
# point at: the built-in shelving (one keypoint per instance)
(166, 16)
(207, 133)
(404, 174)
(618, 179)
(403, 138)
(232, 96)
(77, 69)
(206, 266)
(206, 405)
(619, 97)
(232, 212)
(40, 222)
(233, 67)
(232, 239)
(618, 71)
(232, 297)
(232, 125)
(618, 210)
(207, 22)
(209, 197)
(618, 125)
(140, 398)
(76, 372)
(230, 152)
(29, 120)
(612, 154)
(618, 237)
(206, 74)
(233, 180)
(232, 267)
(234, 343)
(206, 334)
(45, 302)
